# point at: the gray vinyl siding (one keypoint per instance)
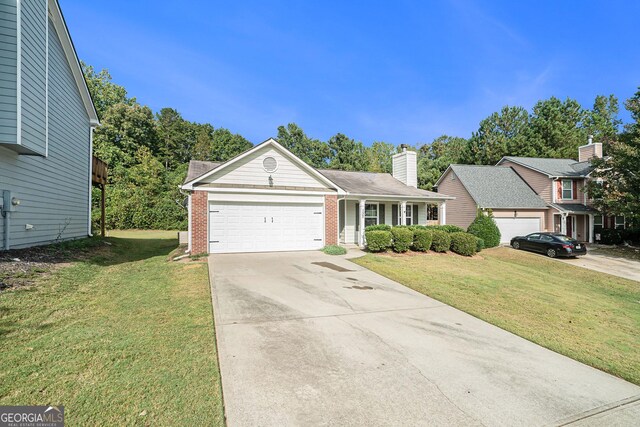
(33, 83)
(53, 190)
(8, 49)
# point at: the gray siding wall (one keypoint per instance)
(8, 49)
(53, 190)
(34, 70)
(462, 210)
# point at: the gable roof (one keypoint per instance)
(188, 185)
(61, 29)
(376, 184)
(552, 167)
(198, 168)
(496, 187)
(352, 183)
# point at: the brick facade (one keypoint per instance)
(199, 212)
(331, 220)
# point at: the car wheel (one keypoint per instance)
(551, 253)
(516, 245)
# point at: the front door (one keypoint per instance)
(570, 224)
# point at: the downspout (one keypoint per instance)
(7, 227)
(90, 179)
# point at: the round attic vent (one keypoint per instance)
(270, 164)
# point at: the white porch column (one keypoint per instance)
(591, 228)
(403, 213)
(426, 213)
(362, 226)
(442, 216)
(563, 223)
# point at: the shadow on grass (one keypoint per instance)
(92, 250)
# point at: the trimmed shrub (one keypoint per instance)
(479, 244)
(610, 236)
(463, 243)
(334, 250)
(631, 234)
(446, 228)
(402, 238)
(441, 241)
(485, 227)
(422, 239)
(378, 240)
(383, 227)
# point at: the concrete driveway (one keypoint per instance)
(301, 343)
(621, 267)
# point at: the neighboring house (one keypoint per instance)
(46, 126)
(529, 194)
(267, 199)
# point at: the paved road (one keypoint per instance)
(303, 344)
(621, 267)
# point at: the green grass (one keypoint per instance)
(121, 338)
(589, 316)
(334, 250)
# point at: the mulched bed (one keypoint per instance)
(22, 267)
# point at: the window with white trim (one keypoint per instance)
(432, 212)
(370, 214)
(567, 189)
(597, 222)
(408, 214)
(619, 222)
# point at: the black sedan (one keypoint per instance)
(551, 244)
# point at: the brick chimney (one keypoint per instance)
(405, 167)
(589, 151)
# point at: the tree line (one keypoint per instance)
(148, 153)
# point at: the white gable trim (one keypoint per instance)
(72, 59)
(442, 176)
(269, 142)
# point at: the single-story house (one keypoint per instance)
(47, 119)
(267, 199)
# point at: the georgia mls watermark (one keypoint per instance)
(31, 416)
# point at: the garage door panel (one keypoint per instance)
(263, 227)
(512, 227)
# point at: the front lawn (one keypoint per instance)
(122, 337)
(589, 316)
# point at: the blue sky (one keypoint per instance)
(396, 71)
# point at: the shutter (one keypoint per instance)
(381, 213)
(575, 189)
(414, 217)
(357, 217)
(394, 214)
(559, 190)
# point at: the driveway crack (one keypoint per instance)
(395, 350)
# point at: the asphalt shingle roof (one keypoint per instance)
(198, 168)
(554, 167)
(359, 183)
(573, 207)
(497, 187)
(375, 184)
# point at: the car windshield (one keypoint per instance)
(563, 238)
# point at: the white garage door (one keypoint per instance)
(265, 227)
(511, 227)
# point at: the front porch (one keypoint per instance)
(355, 214)
(583, 222)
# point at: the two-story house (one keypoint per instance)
(528, 194)
(46, 126)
